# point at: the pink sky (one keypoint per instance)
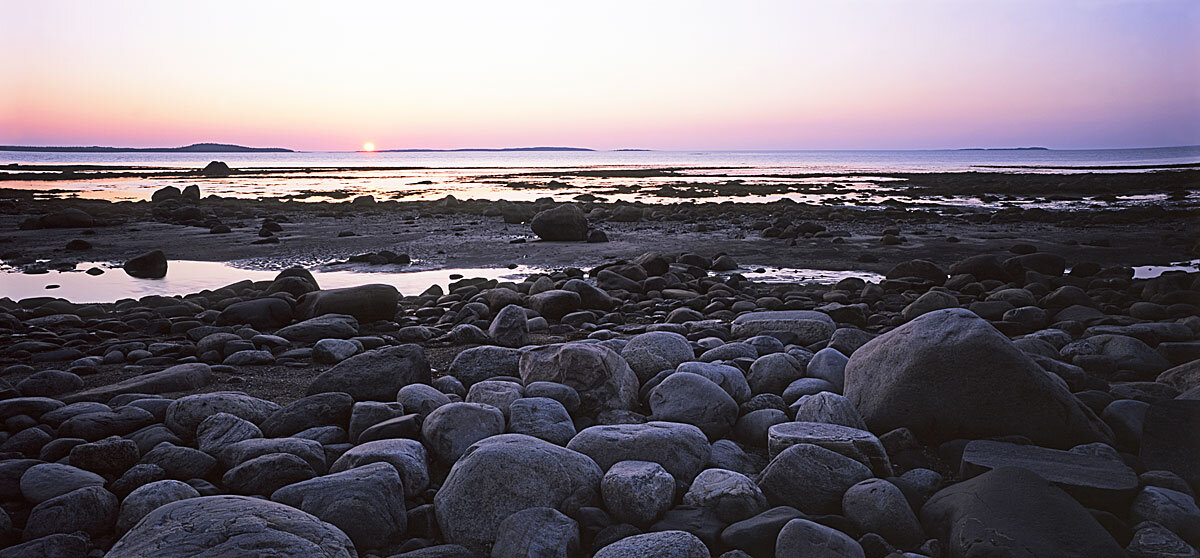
(661, 75)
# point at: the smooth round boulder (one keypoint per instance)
(375, 375)
(366, 503)
(731, 495)
(407, 457)
(471, 504)
(877, 506)
(227, 526)
(541, 417)
(681, 449)
(693, 399)
(50, 480)
(801, 537)
(542, 531)
(601, 376)
(367, 303)
(637, 492)
(450, 429)
(149, 497)
(186, 413)
(91, 509)
(949, 374)
(810, 478)
(661, 544)
(565, 222)
(651, 353)
(151, 265)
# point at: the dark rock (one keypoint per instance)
(151, 265)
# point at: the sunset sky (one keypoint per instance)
(614, 74)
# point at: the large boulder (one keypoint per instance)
(231, 526)
(480, 363)
(565, 222)
(260, 313)
(329, 326)
(810, 478)
(651, 353)
(407, 457)
(321, 409)
(450, 430)
(505, 474)
(600, 375)
(919, 269)
(148, 497)
(537, 532)
(92, 510)
(151, 265)
(186, 413)
(181, 377)
(1013, 512)
(1171, 438)
(661, 544)
(366, 503)
(949, 374)
(807, 325)
(367, 303)
(375, 375)
(681, 449)
(693, 399)
(801, 537)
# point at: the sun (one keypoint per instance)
(368, 146)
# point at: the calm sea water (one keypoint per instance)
(487, 175)
(795, 161)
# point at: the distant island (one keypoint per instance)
(632, 150)
(193, 148)
(1005, 149)
(484, 149)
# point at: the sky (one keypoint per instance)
(851, 74)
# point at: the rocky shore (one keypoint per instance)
(1009, 388)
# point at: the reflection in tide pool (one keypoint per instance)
(1151, 271)
(186, 277)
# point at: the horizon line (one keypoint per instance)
(31, 148)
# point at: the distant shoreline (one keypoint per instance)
(484, 149)
(194, 148)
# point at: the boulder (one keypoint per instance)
(480, 363)
(1171, 438)
(366, 503)
(148, 497)
(51, 480)
(651, 353)
(693, 399)
(541, 417)
(731, 495)
(662, 544)
(810, 478)
(367, 303)
(265, 474)
(228, 526)
(603, 379)
(329, 326)
(407, 457)
(920, 269)
(637, 492)
(375, 375)
(1098, 481)
(541, 531)
(186, 413)
(452, 429)
(801, 537)
(681, 449)
(92, 510)
(1014, 512)
(471, 504)
(878, 506)
(321, 409)
(565, 222)
(260, 313)
(510, 327)
(151, 265)
(181, 377)
(859, 445)
(807, 325)
(949, 374)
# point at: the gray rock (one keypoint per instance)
(801, 537)
(830, 365)
(51, 480)
(1020, 513)
(480, 363)
(91, 509)
(602, 378)
(565, 222)
(731, 495)
(240, 452)
(637, 492)
(846, 340)
(1171, 438)
(1172, 509)
(553, 304)
(810, 478)
(562, 393)
(332, 408)
(50, 546)
(407, 457)
(267, 473)
(261, 313)
(805, 386)
(1093, 480)
(329, 326)
(148, 497)
(949, 374)
(471, 505)
(662, 544)
(541, 417)
(450, 429)
(367, 303)
(877, 506)
(826, 407)
(366, 414)
(421, 399)
(185, 414)
(730, 378)
(333, 351)
(859, 445)
(180, 463)
(540, 531)
(651, 353)
(151, 265)
(1152, 540)
(181, 377)
(227, 526)
(928, 302)
(808, 326)
(681, 449)
(773, 373)
(365, 502)
(693, 399)
(375, 375)
(497, 393)
(510, 327)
